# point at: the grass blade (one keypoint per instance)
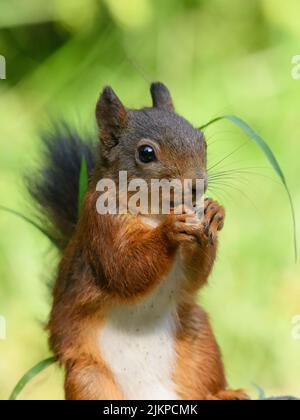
(260, 142)
(260, 391)
(32, 373)
(31, 222)
(83, 185)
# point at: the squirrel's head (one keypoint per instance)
(151, 143)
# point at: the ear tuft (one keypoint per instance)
(111, 117)
(161, 97)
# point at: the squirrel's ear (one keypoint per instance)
(161, 97)
(111, 117)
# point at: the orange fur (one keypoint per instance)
(118, 259)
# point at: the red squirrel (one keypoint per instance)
(125, 322)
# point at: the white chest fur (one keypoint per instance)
(138, 342)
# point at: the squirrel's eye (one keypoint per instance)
(146, 154)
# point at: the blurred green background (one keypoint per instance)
(217, 57)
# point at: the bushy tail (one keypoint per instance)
(55, 186)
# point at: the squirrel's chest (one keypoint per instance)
(138, 342)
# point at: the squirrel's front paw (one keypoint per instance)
(188, 227)
(180, 226)
(213, 219)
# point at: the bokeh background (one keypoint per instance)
(217, 57)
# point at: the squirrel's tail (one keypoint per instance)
(55, 187)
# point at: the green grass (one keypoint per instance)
(30, 375)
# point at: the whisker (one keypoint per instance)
(228, 156)
(244, 184)
(219, 193)
(212, 136)
(242, 169)
(226, 185)
(227, 195)
(231, 173)
(232, 177)
(230, 165)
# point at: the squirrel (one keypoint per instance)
(125, 322)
